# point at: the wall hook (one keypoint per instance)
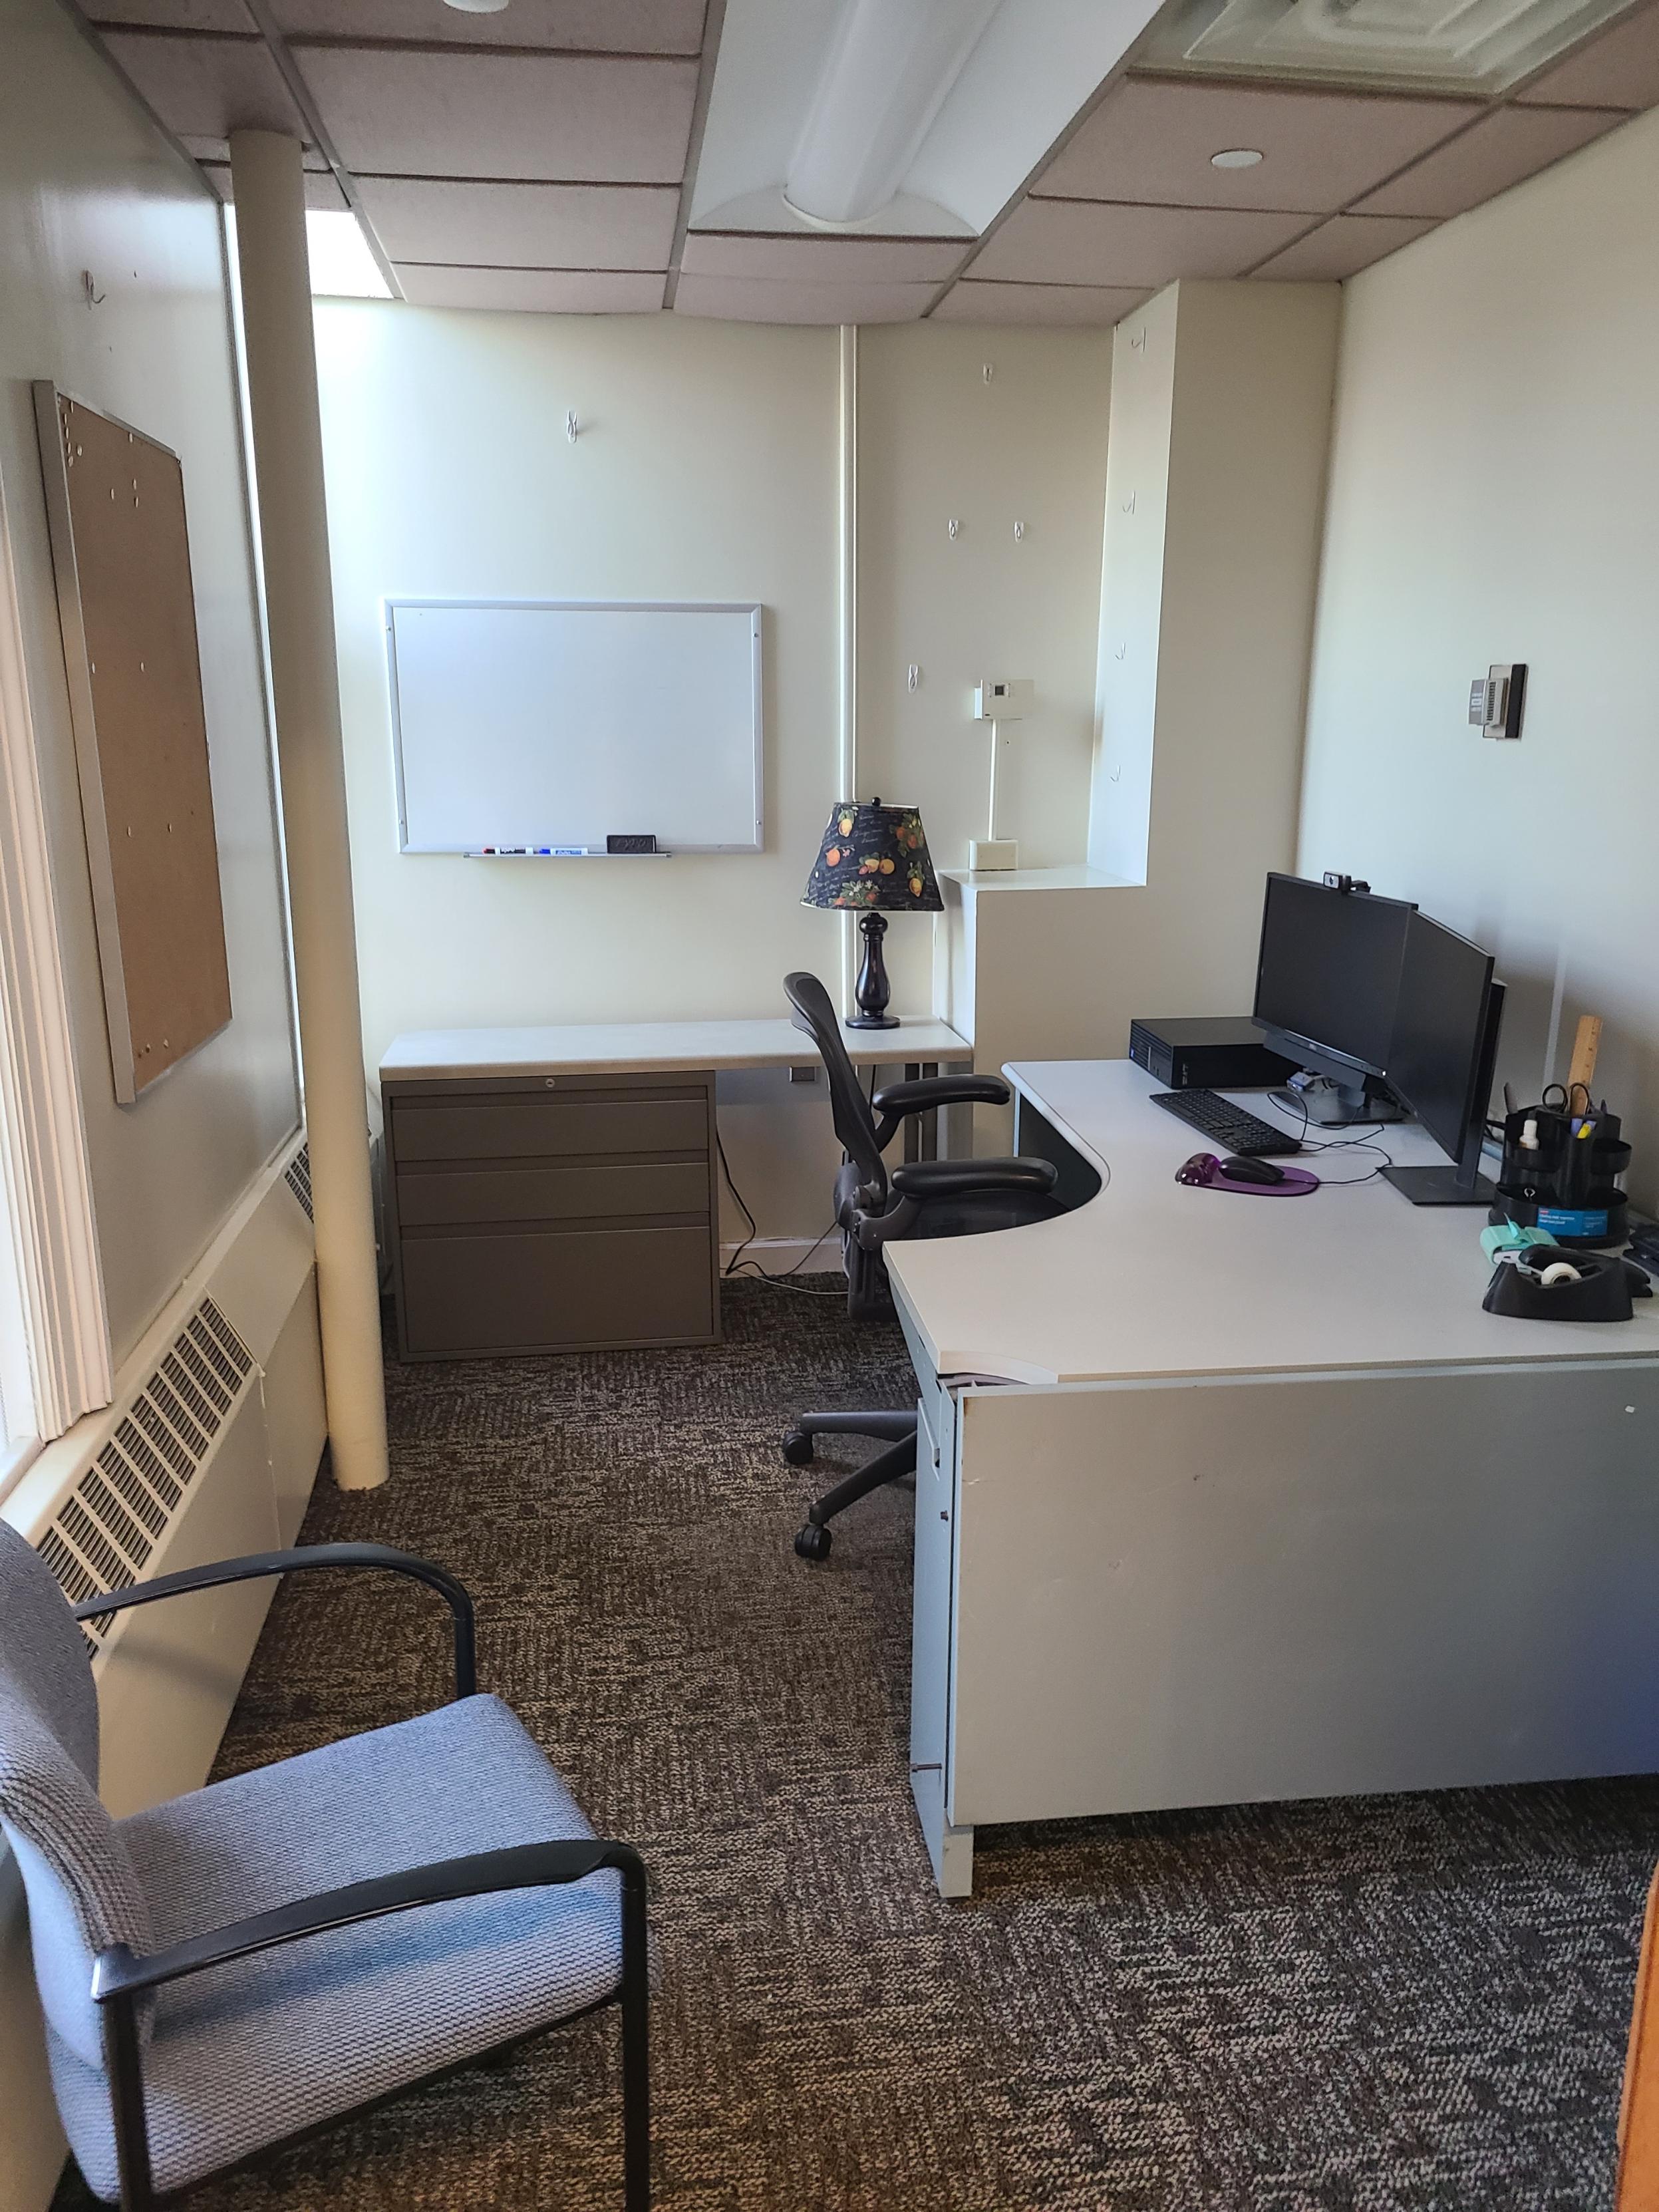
(1019, 532)
(95, 298)
(572, 426)
(988, 371)
(1137, 340)
(915, 677)
(1129, 504)
(953, 528)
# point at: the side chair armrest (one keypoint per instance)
(258, 1564)
(118, 1973)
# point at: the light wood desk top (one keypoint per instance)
(612, 1048)
(1150, 1278)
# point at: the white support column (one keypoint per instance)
(847, 757)
(288, 455)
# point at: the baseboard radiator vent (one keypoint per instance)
(297, 1176)
(110, 1523)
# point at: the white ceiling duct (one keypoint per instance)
(891, 66)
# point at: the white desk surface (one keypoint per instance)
(611, 1048)
(1150, 1278)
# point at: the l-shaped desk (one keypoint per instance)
(1223, 1499)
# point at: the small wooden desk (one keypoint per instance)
(554, 1189)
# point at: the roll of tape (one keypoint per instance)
(1559, 1271)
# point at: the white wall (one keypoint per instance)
(707, 468)
(87, 184)
(1494, 491)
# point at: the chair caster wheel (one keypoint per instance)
(798, 1448)
(813, 1542)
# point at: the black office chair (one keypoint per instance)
(923, 1198)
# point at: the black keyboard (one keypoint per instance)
(1229, 1128)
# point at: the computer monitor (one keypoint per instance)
(1441, 1057)
(1328, 977)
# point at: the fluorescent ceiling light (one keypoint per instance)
(342, 266)
(1465, 45)
(891, 66)
(1235, 157)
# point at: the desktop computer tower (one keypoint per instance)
(1209, 1053)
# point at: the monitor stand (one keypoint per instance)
(1443, 1186)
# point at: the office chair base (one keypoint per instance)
(812, 1541)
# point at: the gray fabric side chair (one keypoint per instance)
(253, 1960)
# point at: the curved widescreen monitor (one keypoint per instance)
(1327, 974)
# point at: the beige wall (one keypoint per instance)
(87, 184)
(708, 468)
(938, 442)
(1495, 485)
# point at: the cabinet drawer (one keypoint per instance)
(503, 1129)
(556, 1290)
(438, 1197)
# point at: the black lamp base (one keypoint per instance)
(872, 991)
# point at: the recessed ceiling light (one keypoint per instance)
(1235, 157)
(477, 7)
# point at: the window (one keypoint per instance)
(54, 1335)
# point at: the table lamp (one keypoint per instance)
(873, 861)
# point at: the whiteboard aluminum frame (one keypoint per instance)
(754, 609)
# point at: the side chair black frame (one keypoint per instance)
(120, 1980)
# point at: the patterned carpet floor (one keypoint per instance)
(1410, 2004)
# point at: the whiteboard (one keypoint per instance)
(531, 724)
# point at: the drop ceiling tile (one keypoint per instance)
(560, 118)
(206, 87)
(620, 27)
(1496, 153)
(322, 189)
(778, 300)
(809, 260)
(1095, 306)
(523, 226)
(175, 15)
(1343, 245)
(1104, 242)
(1618, 69)
(532, 291)
(1153, 140)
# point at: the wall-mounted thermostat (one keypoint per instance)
(1497, 700)
(1003, 698)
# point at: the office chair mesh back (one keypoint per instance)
(855, 1125)
(83, 1890)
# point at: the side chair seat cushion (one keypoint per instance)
(243, 2055)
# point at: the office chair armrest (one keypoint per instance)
(896, 1102)
(958, 1178)
(920, 1097)
(257, 1564)
(118, 1973)
(918, 1180)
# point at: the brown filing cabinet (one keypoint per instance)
(552, 1212)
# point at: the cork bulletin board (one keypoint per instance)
(120, 550)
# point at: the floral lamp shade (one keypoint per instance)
(874, 859)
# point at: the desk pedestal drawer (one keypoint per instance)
(551, 1194)
(530, 1291)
